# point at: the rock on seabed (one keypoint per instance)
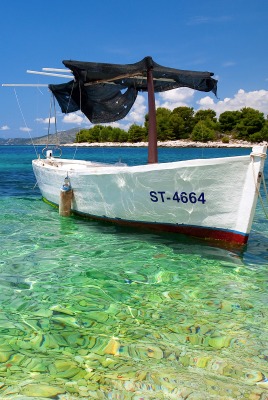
(46, 391)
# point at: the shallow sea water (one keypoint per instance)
(92, 311)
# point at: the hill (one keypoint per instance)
(63, 137)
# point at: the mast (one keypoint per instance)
(152, 134)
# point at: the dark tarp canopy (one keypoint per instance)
(106, 92)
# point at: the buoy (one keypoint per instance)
(66, 195)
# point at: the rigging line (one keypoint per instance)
(80, 105)
(69, 100)
(55, 123)
(28, 130)
(49, 119)
(70, 96)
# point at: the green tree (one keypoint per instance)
(228, 120)
(123, 136)
(202, 115)
(162, 124)
(136, 133)
(95, 133)
(203, 133)
(105, 134)
(82, 136)
(181, 122)
(251, 121)
(260, 136)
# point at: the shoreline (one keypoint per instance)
(170, 143)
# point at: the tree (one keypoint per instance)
(105, 134)
(136, 133)
(82, 136)
(123, 136)
(162, 124)
(251, 121)
(228, 120)
(260, 136)
(202, 115)
(94, 133)
(203, 133)
(181, 122)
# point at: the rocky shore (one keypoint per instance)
(171, 143)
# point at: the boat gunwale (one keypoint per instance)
(84, 166)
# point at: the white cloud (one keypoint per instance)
(175, 98)
(73, 118)
(46, 120)
(228, 64)
(202, 19)
(138, 111)
(4, 128)
(25, 129)
(257, 99)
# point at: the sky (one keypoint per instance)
(226, 37)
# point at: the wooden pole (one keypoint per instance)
(65, 202)
(152, 134)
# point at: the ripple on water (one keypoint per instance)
(93, 311)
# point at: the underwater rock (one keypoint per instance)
(60, 309)
(154, 352)
(98, 316)
(112, 347)
(256, 377)
(218, 342)
(66, 369)
(4, 356)
(41, 390)
(65, 321)
(36, 365)
(43, 313)
(263, 384)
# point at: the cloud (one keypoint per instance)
(4, 128)
(228, 64)
(46, 120)
(202, 19)
(257, 99)
(73, 118)
(175, 98)
(138, 111)
(25, 129)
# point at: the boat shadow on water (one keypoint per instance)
(179, 243)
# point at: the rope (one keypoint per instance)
(28, 130)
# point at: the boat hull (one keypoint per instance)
(209, 198)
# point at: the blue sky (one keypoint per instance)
(226, 37)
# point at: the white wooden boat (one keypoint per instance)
(208, 198)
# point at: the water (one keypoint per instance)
(94, 311)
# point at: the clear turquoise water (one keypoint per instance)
(93, 311)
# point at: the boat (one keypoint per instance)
(207, 198)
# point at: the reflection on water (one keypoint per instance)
(90, 310)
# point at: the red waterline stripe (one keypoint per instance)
(195, 231)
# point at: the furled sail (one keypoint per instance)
(106, 92)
